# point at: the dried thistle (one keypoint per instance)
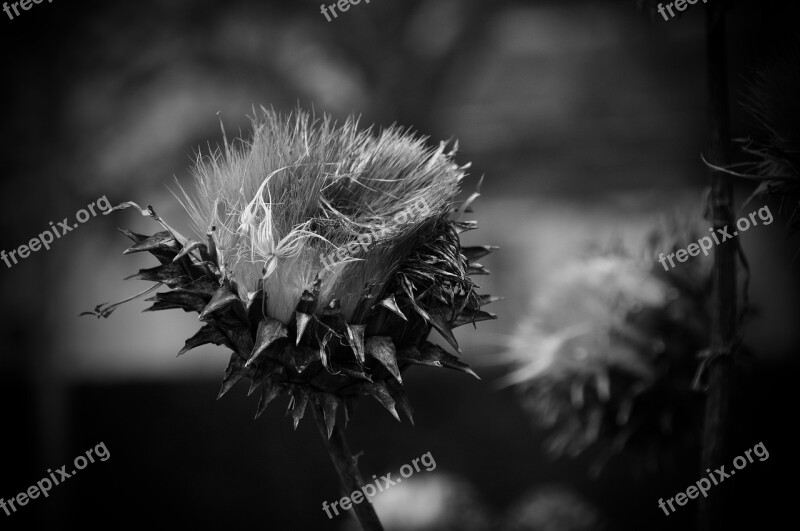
(266, 211)
(607, 358)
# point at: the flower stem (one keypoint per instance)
(349, 476)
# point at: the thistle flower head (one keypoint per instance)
(303, 189)
(606, 358)
(578, 312)
(325, 255)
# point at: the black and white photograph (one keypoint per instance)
(401, 265)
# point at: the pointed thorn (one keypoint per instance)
(380, 392)
(334, 308)
(477, 252)
(302, 322)
(444, 329)
(269, 331)
(223, 297)
(298, 406)
(390, 303)
(233, 373)
(187, 249)
(268, 394)
(402, 402)
(382, 349)
(355, 336)
(329, 404)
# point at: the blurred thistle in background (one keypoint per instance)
(606, 356)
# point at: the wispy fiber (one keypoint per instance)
(302, 187)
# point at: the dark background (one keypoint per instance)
(587, 119)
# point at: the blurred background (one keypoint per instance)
(586, 118)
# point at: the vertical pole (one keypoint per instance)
(711, 515)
